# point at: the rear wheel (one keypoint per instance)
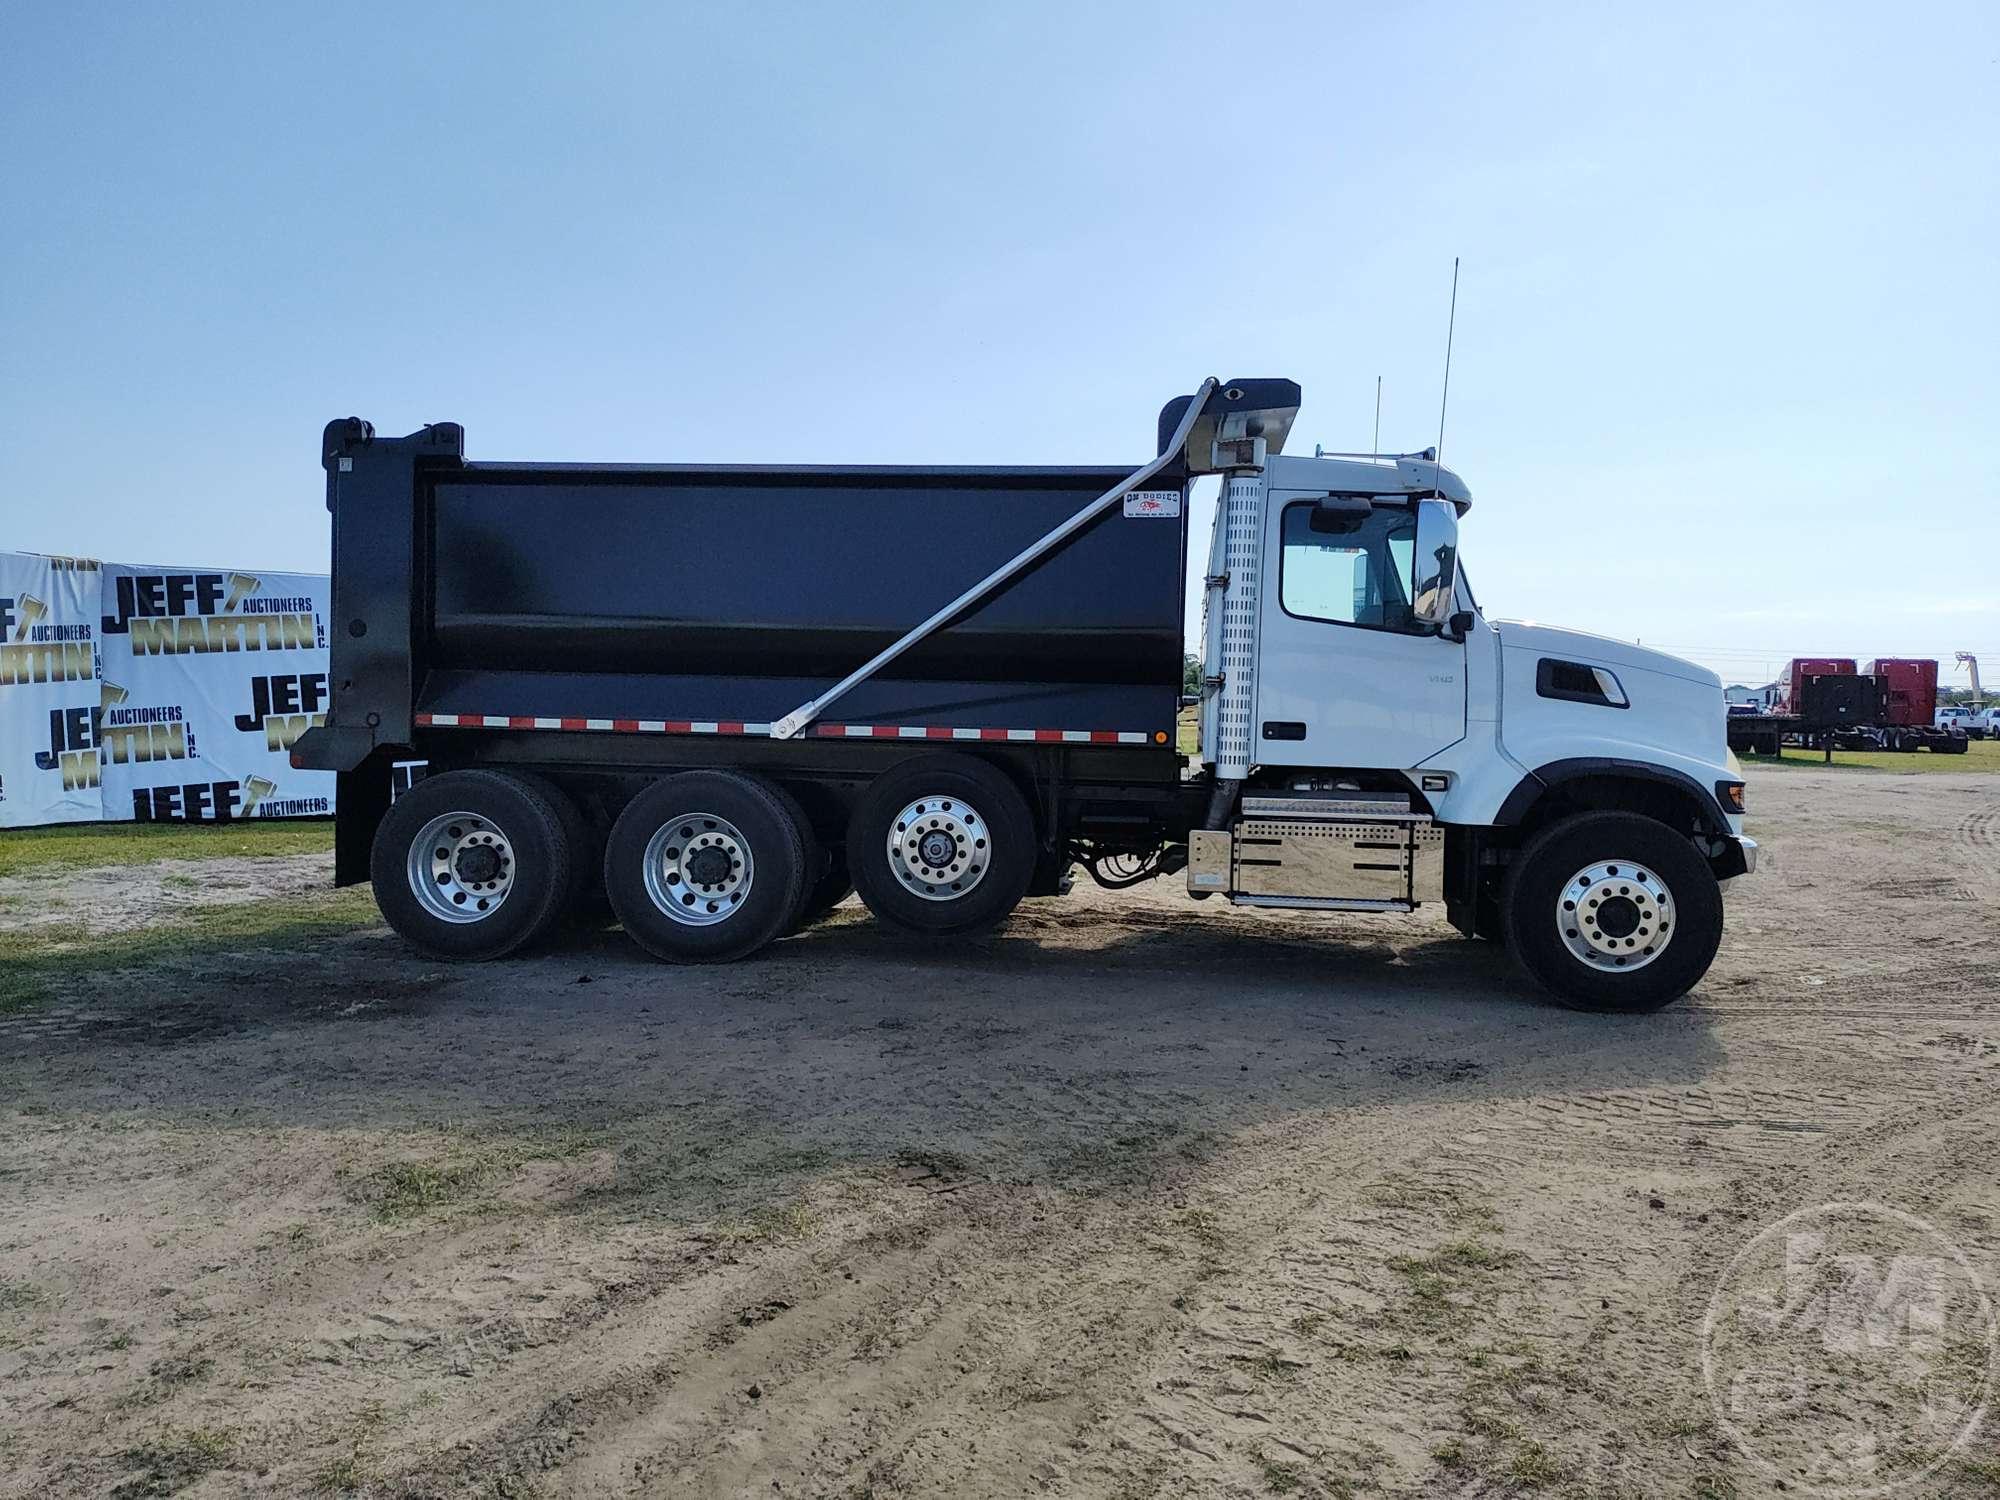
(1613, 912)
(943, 844)
(583, 904)
(471, 864)
(706, 866)
(833, 886)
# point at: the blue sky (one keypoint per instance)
(1725, 376)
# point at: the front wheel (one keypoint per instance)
(1613, 912)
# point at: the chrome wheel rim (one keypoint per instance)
(940, 848)
(1615, 915)
(699, 869)
(461, 868)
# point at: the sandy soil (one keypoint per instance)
(1135, 1198)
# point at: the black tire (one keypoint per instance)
(527, 851)
(812, 862)
(1534, 893)
(727, 814)
(824, 894)
(584, 902)
(980, 815)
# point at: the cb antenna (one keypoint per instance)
(1375, 443)
(1444, 397)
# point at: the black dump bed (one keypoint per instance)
(738, 594)
(690, 595)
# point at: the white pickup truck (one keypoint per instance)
(1977, 722)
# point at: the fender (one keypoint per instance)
(1531, 787)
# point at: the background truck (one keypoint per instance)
(1829, 705)
(720, 697)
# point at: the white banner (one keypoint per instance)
(48, 690)
(156, 693)
(208, 678)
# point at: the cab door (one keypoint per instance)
(1346, 675)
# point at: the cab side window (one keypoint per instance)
(1358, 575)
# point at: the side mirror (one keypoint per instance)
(1434, 588)
(1461, 624)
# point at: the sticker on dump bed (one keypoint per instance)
(1152, 502)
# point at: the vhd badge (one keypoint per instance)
(1149, 503)
(1850, 1351)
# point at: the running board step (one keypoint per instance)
(1388, 862)
(1320, 903)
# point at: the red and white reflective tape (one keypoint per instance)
(615, 726)
(822, 731)
(1025, 736)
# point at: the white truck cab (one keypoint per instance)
(1375, 740)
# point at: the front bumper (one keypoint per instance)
(1738, 857)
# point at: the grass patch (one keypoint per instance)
(88, 845)
(456, 1177)
(1430, 1280)
(1280, 1478)
(170, 1461)
(1488, 1424)
(15, 1295)
(35, 961)
(341, 1477)
(791, 1221)
(1451, 1455)
(404, 1189)
(1980, 755)
(1534, 1466)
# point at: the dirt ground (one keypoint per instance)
(1137, 1197)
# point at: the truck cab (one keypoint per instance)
(1387, 743)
